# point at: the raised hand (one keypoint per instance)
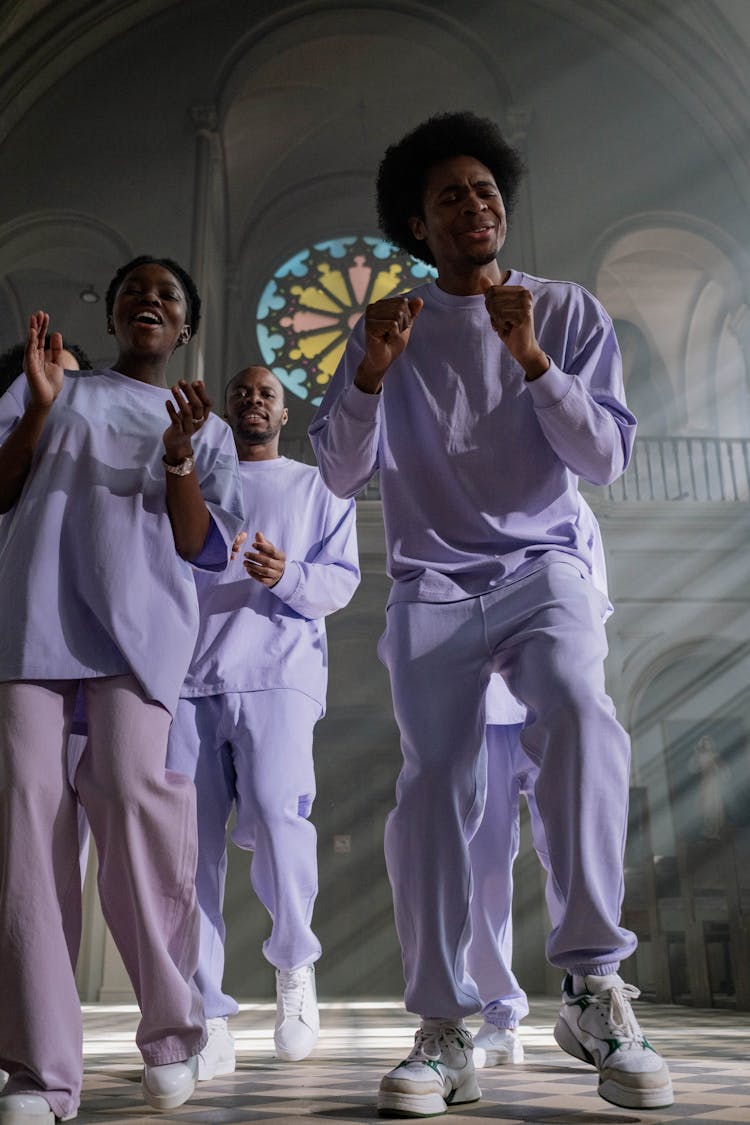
(44, 376)
(265, 563)
(388, 325)
(510, 309)
(186, 417)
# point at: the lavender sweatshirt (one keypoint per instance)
(253, 638)
(479, 468)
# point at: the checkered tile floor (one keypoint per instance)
(708, 1054)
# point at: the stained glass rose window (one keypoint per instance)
(309, 307)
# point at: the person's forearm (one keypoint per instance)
(315, 590)
(368, 378)
(346, 441)
(188, 514)
(17, 453)
(592, 437)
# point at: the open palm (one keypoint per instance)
(44, 376)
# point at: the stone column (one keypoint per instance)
(205, 357)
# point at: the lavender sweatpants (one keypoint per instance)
(544, 634)
(510, 774)
(76, 747)
(252, 750)
(143, 822)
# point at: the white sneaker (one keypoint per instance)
(297, 1021)
(4, 1076)
(218, 1056)
(28, 1109)
(496, 1046)
(599, 1027)
(170, 1085)
(439, 1072)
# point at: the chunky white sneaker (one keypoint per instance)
(170, 1085)
(28, 1109)
(218, 1056)
(599, 1027)
(439, 1072)
(297, 1021)
(496, 1046)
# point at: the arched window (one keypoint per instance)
(678, 289)
(309, 307)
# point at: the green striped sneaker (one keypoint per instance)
(598, 1026)
(438, 1073)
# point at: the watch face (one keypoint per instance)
(182, 469)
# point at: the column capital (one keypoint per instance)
(518, 119)
(205, 118)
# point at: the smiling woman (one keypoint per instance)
(178, 282)
(126, 479)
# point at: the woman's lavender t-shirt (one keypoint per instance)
(92, 583)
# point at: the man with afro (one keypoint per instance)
(481, 398)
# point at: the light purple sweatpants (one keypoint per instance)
(544, 634)
(143, 822)
(76, 747)
(493, 849)
(252, 750)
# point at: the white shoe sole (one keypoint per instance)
(21, 1117)
(398, 1103)
(628, 1098)
(393, 1104)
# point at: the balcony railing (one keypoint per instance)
(661, 469)
(686, 468)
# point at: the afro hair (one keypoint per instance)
(403, 171)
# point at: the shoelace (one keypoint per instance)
(430, 1042)
(292, 992)
(621, 1020)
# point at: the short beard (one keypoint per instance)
(258, 438)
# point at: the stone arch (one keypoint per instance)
(48, 259)
(682, 284)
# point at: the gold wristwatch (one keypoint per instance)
(182, 468)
